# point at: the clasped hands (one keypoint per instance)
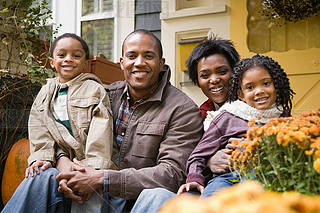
(77, 180)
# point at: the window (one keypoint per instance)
(97, 26)
(185, 42)
(185, 48)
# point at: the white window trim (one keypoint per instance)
(169, 9)
(99, 16)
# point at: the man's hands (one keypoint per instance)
(65, 165)
(192, 185)
(35, 167)
(81, 181)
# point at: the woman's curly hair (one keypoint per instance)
(209, 47)
(279, 77)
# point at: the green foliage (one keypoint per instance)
(26, 31)
(290, 10)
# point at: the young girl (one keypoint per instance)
(264, 92)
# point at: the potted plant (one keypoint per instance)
(25, 36)
(284, 154)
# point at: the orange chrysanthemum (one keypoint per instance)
(316, 165)
(308, 152)
(234, 143)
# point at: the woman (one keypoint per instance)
(210, 66)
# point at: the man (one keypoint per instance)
(156, 127)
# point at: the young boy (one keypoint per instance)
(71, 116)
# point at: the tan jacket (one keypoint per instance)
(161, 134)
(90, 118)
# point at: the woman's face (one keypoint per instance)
(214, 73)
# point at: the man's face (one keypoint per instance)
(141, 64)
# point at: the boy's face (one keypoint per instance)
(257, 88)
(69, 59)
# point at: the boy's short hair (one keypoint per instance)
(70, 35)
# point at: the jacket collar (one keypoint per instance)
(164, 80)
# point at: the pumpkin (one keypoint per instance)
(15, 167)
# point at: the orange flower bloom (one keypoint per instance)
(234, 143)
(316, 154)
(271, 130)
(316, 165)
(251, 122)
(315, 130)
(308, 152)
(280, 137)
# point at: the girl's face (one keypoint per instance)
(214, 73)
(257, 88)
(69, 59)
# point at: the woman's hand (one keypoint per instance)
(219, 163)
(192, 185)
(35, 167)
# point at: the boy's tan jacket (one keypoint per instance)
(90, 118)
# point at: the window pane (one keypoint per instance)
(90, 6)
(107, 5)
(99, 36)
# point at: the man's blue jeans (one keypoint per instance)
(150, 200)
(40, 194)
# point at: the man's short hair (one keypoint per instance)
(145, 32)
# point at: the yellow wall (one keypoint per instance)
(302, 66)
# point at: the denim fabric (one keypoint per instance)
(38, 194)
(98, 204)
(218, 182)
(150, 200)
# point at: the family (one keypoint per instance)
(135, 144)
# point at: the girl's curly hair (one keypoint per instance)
(279, 77)
(209, 47)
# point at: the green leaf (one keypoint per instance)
(234, 180)
(5, 10)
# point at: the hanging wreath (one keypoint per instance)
(290, 10)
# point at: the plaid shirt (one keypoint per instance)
(125, 112)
